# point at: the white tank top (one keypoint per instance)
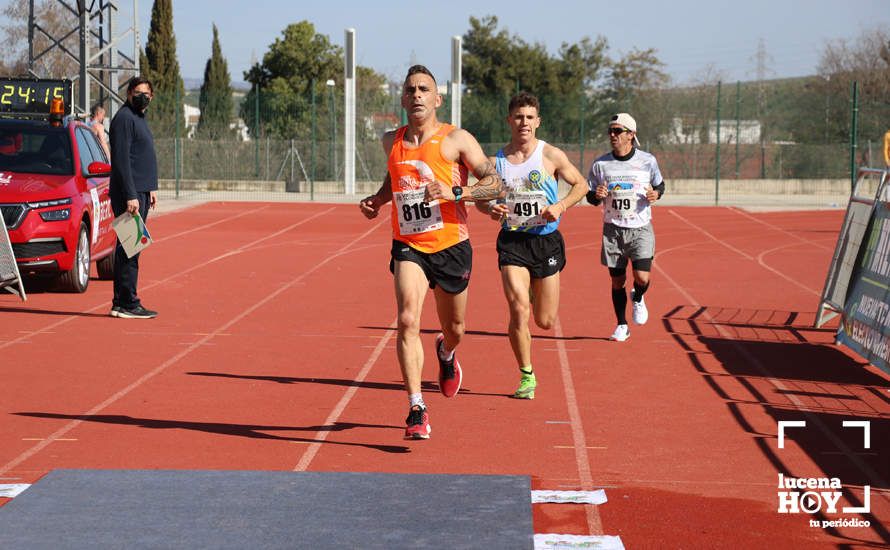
(530, 189)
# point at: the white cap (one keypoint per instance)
(628, 122)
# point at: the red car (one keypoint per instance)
(54, 200)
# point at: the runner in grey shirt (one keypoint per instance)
(627, 181)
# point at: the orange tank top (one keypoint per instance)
(427, 227)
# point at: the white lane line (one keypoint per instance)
(226, 219)
(779, 273)
(570, 497)
(272, 295)
(555, 541)
(338, 409)
(760, 256)
(12, 490)
(594, 523)
(750, 359)
(777, 228)
(103, 306)
(704, 231)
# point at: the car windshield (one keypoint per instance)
(35, 150)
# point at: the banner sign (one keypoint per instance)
(10, 278)
(865, 327)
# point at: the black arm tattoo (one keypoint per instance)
(490, 186)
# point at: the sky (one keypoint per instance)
(689, 36)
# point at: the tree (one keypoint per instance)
(371, 100)
(497, 65)
(634, 84)
(638, 70)
(162, 68)
(284, 81)
(52, 16)
(216, 95)
(866, 61)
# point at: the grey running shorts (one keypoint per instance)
(623, 243)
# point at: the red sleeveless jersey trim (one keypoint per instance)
(414, 168)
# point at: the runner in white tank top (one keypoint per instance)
(531, 251)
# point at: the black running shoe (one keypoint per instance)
(137, 312)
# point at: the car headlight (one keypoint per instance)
(44, 204)
(56, 215)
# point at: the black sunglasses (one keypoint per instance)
(617, 131)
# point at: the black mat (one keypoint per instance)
(222, 509)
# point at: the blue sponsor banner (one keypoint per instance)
(865, 326)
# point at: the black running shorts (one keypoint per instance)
(449, 268)
(542, 255)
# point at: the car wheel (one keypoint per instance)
(77, 278)
(105, 267)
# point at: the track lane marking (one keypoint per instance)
(782, 275)
(334, 416)
(594, 522)
(704, 231)
(211, 224)
(747, 256)
(104, 305)
(777, 228)
(157, 370)
(777, 384)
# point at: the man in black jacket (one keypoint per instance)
(134, 185)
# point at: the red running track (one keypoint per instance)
(274, 350)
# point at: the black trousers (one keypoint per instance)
(126, 270)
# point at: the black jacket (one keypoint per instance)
(134, 165)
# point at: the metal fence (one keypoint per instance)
(715, 142)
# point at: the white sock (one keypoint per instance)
(416, 399)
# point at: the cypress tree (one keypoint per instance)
(216, 95)
(162, 69)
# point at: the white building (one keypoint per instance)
(748, 131)
(680, 133)
(192, 115)
(687, 131)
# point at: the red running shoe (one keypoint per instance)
(418, 423)
(450, 374)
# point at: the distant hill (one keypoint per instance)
(194, 84)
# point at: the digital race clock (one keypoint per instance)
(32, 96)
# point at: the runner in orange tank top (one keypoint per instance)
(426, 183)
(436, 225)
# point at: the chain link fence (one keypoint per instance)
(738, 142)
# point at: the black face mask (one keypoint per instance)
(140, 101)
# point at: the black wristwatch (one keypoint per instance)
(458, 192)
